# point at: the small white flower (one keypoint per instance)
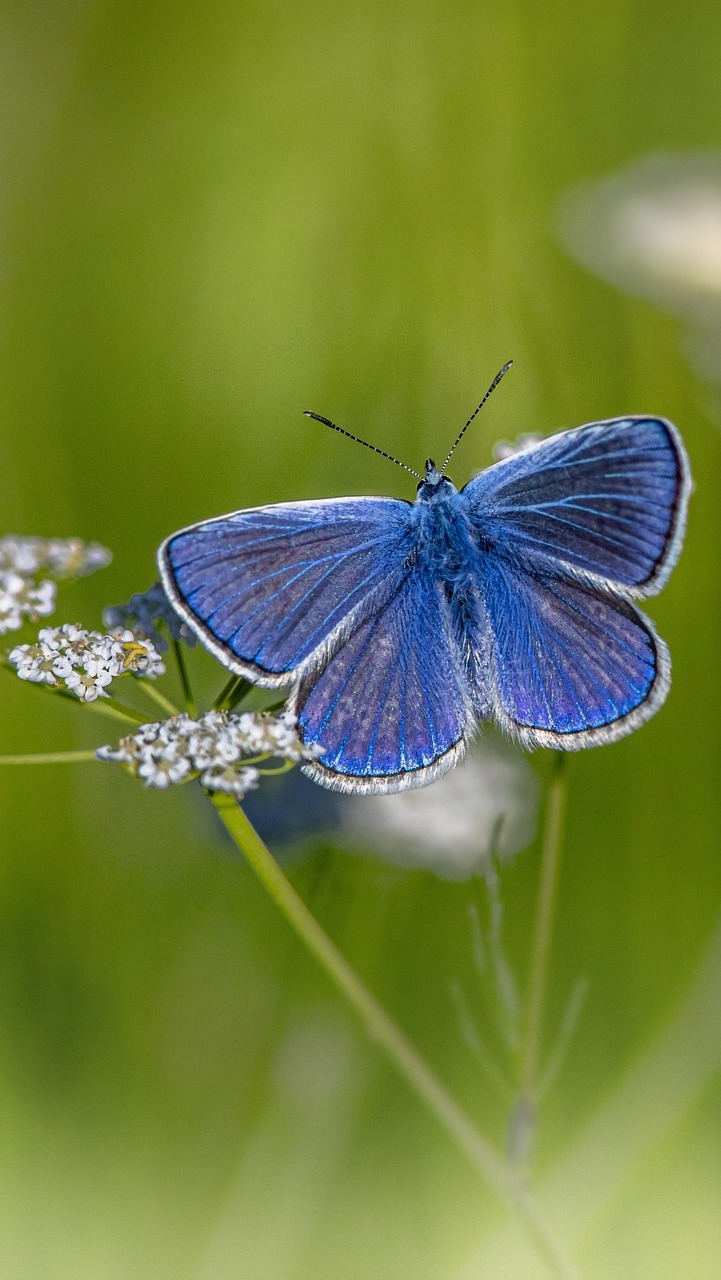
(163, 771)
(88, 685)
(258, 733)
(231, 781)
(119, 754)
(21, 555)
(204, 748)
(85, 661)
(62, 557)
(62, 637)
(10, 616)
(71, 557)
(33, 663)
(22, 598)
(215, 746)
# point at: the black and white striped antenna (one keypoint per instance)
(501, 373)
(334, 426)
(317, 417)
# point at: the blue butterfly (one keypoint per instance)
(400, 625)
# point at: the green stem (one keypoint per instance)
(51, 757)
(106, 706)
(159, 698)
(276, 770)
(524, 1114)
(110, 706)
(543, 931)
(232, 691)
(189, 697)
(496, 1171)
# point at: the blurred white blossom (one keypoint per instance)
(85, 662)
(21, 559)
(23, 598)
(486, 806)
(61, 557)
(143, 611)
(654, 229)
(222, 748)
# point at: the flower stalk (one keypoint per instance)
(51, 757)
(524, 1116)
(188, 696)
(496, 1171)
(545, 915)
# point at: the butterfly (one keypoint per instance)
(399, 626)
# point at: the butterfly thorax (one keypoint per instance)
(445, 542)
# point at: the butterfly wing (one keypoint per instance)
(391, 706)
(573, 665)
(605, 502)
(568, 532)
(272, 588)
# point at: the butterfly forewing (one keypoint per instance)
(267, 587)
(607, 500)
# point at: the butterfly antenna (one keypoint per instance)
(501, 373)
(334, 426)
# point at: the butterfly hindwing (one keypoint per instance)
(574, 665)
(267, 587)
(607, 500)
(390, 707)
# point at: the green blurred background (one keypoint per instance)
(211, 218)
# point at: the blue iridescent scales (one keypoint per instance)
(400, 626)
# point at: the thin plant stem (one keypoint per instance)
(110, 706)
(51, 757)
(156, 696)
(228, 696)
(188, 695)
(276, 770)
(523, 1119)
(569, 1023)
(543, 930)
(106, 706)
(398, 1049)
(471, 1035)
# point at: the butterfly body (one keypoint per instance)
(450, 554)
(399, 626)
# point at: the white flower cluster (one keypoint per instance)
(84, 661)
(22, 598)
(219, 747)
(61, 557)
(143, 611)
(506, 448)
(21, 559)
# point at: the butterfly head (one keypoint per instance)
(435, 487)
